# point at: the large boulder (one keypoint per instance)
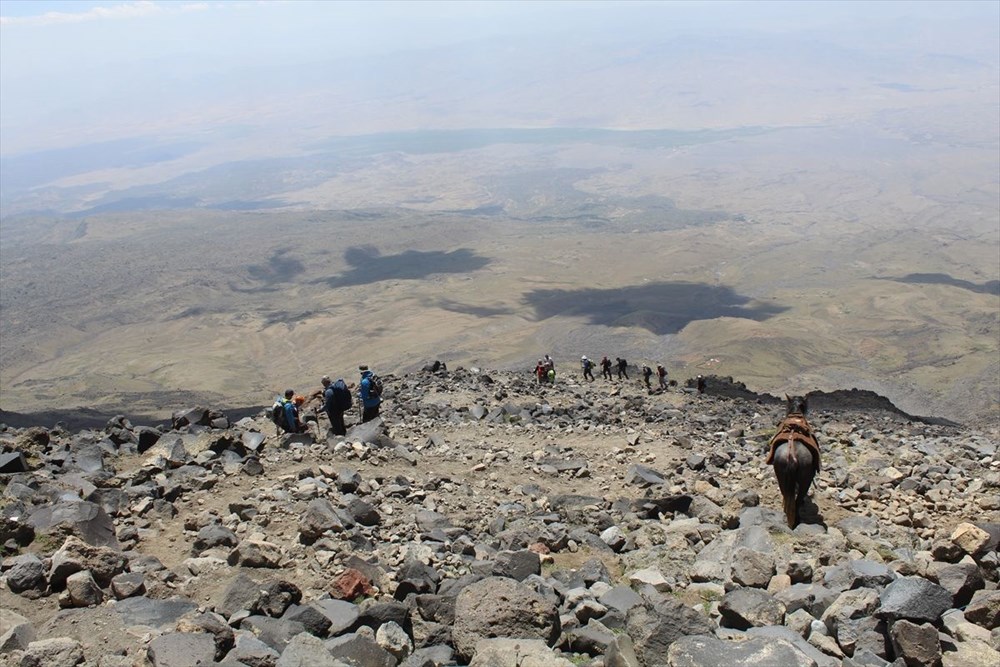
(87, 520)
(75, 555)
(744, 608)
(319, 517)
(706, 651)
(26, 575)
(501, 607)
(516, 653)
(915, 599)
(653, 630)
(916, 644)
(181, 649)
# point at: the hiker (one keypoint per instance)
(701, 384)
(647, 373)
(661, 373)
(587, 365)
(336, 401)
(290, 406)
(606, 368)
(281, 410)
(370, 394)
(551, 375)
(622, 368)
(541, 371)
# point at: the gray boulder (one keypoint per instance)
(182, 649)
(341, 614)
(641, 475)
(249, 650)
(26, 575)
(82, 590)
(501, 607)
(275, 632)
(752, 568)
(242, 593)
(962, 580)
(517, 565)
(516, 653)
(745, 608)
(653, 630)
(915, 599)
(917, 645)
(55, 652)
(984, 609)
(128, 584)
(706, 651)
(86, 520)
(319, 517)
(75, 555)
(787, 634)
(16, 631)
(160, 614)
(359, 649)
(305, 650)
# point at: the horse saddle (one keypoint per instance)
(794, 427)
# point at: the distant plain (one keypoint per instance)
(839, 230)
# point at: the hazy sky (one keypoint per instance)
(60, 57)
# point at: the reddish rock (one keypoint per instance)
(350, 584)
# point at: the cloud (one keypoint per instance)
(123, 10)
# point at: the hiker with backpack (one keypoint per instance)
(285, 413)
(622, 368)
(337, 400)
(370, 393)
(606, 368)
(661, 373)
(541, 372)
(587, 365)
(647, 373)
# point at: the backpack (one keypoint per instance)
(342, 399)
(278, 414)
(375, 385)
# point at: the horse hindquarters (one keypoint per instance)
(793, 468)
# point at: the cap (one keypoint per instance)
(289, 393)
(583, 357)
(325, 379)
(299, 400)
(363, 367)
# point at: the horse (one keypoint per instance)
(794, 453)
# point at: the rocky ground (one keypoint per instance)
(487, 521)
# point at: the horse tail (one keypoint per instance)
(786, 470)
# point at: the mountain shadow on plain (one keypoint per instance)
(661, 308)
(369, 266)
(989, 287)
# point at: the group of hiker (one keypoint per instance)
(336, 399)
(545, 371)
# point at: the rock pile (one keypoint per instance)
(488, 521)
